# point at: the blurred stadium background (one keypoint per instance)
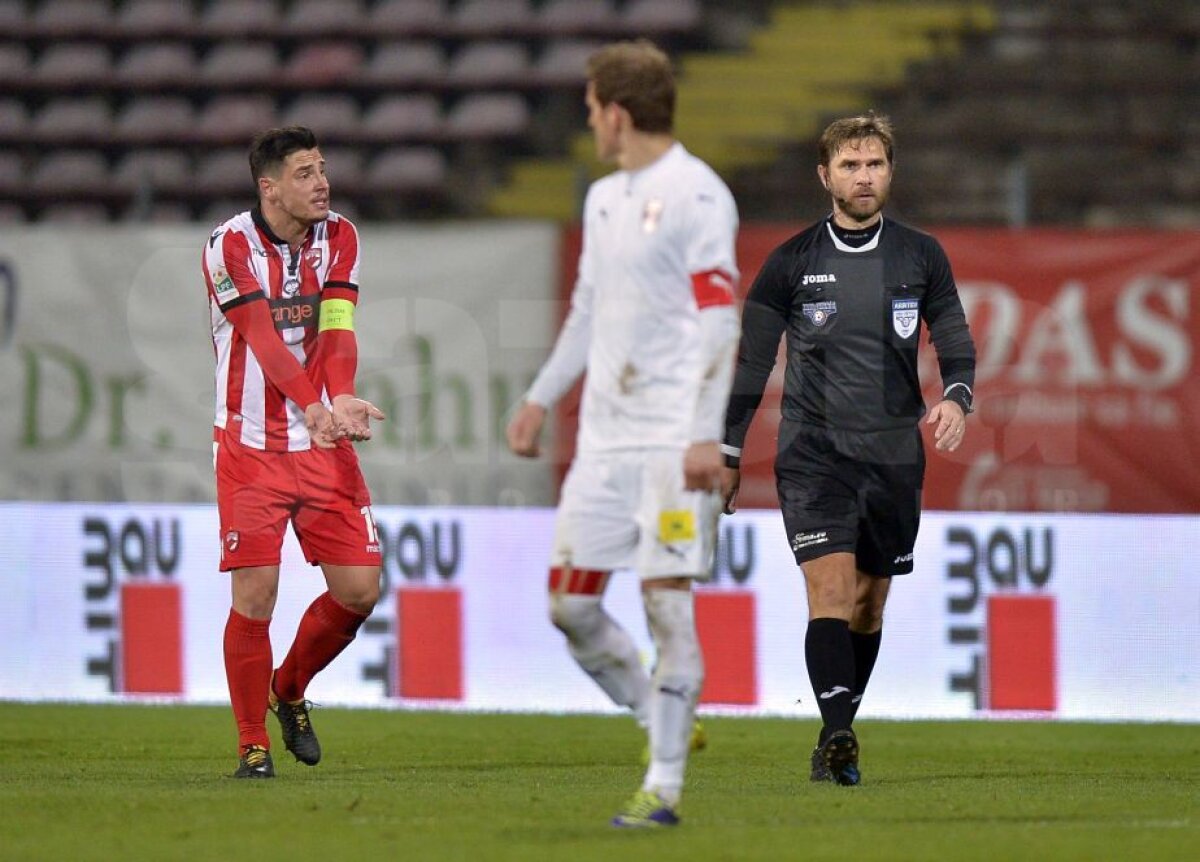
(1011, 112)
(1051, 146)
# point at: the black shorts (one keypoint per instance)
(853, 492)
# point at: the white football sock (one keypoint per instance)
(675, 688)
(604, 650)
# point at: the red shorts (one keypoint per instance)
(321, 491)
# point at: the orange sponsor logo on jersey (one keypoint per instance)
(294, 311)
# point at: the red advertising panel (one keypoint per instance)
(725, 623)
(1021, 653)
(430, 643)
(1087, 392)
(151, 639)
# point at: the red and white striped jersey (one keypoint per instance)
(244, 261)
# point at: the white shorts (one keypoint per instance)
(630, 510)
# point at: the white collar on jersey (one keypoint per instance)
(841, 246)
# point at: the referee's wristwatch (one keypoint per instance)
(960, 394)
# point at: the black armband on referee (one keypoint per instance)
(960, 394)
(732, 456)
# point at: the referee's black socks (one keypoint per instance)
(866, 650)
(829, 652)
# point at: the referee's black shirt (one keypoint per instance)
(853, 318)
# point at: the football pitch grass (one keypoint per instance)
(150, 783)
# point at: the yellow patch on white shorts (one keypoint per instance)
(676, 525)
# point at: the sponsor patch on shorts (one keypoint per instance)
(676, 525)
(804, 540)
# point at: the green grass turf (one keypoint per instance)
(145, 782)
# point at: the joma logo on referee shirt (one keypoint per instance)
(819, 279)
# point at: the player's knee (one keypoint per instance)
(360, 596)
(577, 617)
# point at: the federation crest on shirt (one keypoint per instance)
(905, 313)
(652, 214)
(819, 313)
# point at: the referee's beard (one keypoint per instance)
(860, 209)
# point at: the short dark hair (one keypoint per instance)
(638, 77)
(841, 132)
(270, 149)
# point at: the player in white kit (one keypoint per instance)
(654, 325)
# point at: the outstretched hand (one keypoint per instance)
(352, 417)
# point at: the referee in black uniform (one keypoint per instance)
(851, 293)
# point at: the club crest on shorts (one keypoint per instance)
(819, 312)
(905, 313)
(232, 540)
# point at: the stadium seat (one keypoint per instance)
(223, 173)
(67, 19)
(490, 18)
(153, 172)
(321, 19)
(332, 117)
(659, 18)
(144, 19)
(156, 65)
(157, 212)
(73, 120)
(323, 64)
(70, 173)
(564, 63)
(14, 120)
(75, 213)
(14, 18)
(405, 170)
(404, 118)
(403, 18)
(68, 65)
(405, 65)
(344, 167)
(12, 214)
(16, 66)
(225, 19)
(236, 118)
(156, 120)
(244, 65)
(488, 115)
(485, 65)
(12, 172)
(596, 18)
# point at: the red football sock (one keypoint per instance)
(248, 671)
(326, 629)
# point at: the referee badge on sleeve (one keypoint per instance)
(905, 313)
